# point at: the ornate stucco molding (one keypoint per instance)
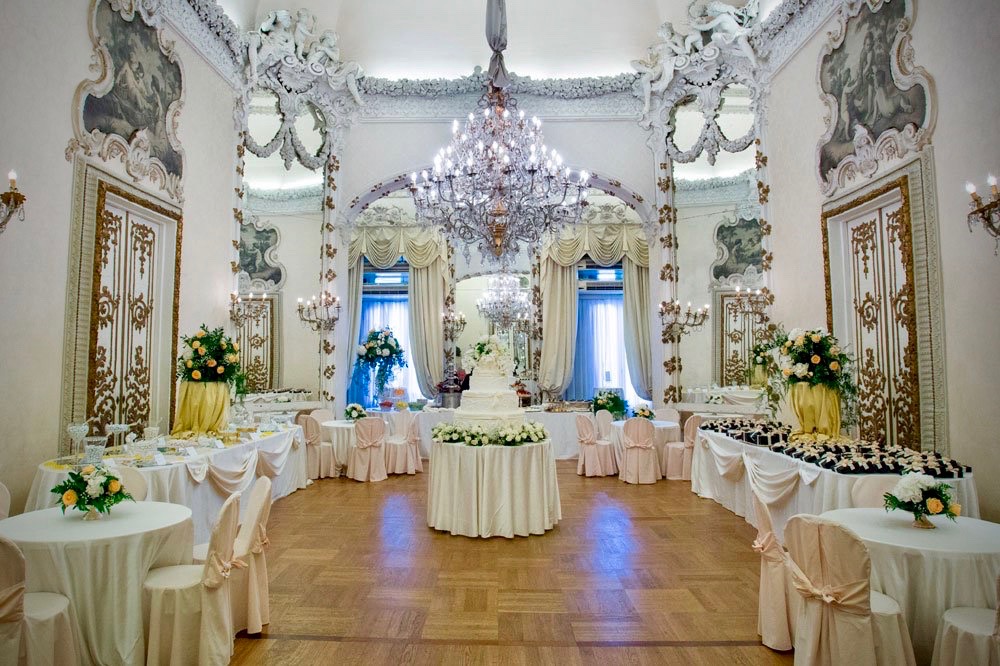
(739, 189)
(209, 31)
(786, 29)
(618, 105)
(285, 202)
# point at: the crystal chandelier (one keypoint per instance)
(504, 304)
(497, 185)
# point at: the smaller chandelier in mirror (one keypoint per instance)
(504, 304)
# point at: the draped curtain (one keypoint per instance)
(425, 253)
(600, 337)
(605, 244)
(379, 310)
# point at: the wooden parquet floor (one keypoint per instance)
(631, 575)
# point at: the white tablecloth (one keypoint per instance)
(100, 566)
(341, 434)
(560, 425)
(281, 455)
(928, 571)
(663, 432)
(718, 472)
(489, 491)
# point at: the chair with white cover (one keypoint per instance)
(596, 455)
(842, 620)
(400, 456)
(667, 414)
(366, 461)
(248, 587)
(968, 636)
(35, 627)
(868, 491)
(640, 462)
(133, 482)
(186, 608)
(675, 457)
(4, 501)
(319, 454)
(413, 439)
(778, 603)
(603, 418)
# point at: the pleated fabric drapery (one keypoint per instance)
(427, 287)
(605, 244)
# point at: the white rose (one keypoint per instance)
(800, 369)
(795, 333)
(361, 350)
(385, 352)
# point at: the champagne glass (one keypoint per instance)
(77, 431)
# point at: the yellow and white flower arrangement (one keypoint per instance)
(354, 411)
(644, 412)
(209, 356)
(93, 487)
(922, 495)
(611, 401)
(473, 435)
(380, 352)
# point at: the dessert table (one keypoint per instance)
(663, 432)
(560, 425)
(719, 472)
(203, 482)
(485, 491)
(101, 565)
(927, 571)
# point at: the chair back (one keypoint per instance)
(413, 432)
(586, 434)
(12, 572)
(638, 433)
(766, 543)
(829, 563)
(401, 423)
(311, 429)
(260, 500)
(299, 414)
(667, 414)
(691, 430)
(219, 560)
(323, 415)
(604, 419)
(370, 431)
(133, 482)
(4, 501)
(868, 491)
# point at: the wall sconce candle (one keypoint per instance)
(11, 202)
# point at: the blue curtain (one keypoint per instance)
(600, 348)
(378, 310)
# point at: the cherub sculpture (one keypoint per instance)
(727, 25)
(272, 42)
(657, 71)
(305, 23)
(326, 53)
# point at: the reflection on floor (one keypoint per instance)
(632, 574)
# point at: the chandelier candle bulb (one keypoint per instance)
(991, 180)
(12, 177)
(976, 199)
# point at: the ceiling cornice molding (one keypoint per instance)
(210, 32)
(409, 108)
(787, 29)
(737, 189)
(286, 201)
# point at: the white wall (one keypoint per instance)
(45, 55)
(955, 42)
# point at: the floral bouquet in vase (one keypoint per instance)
(922, 495)
(93, 490)
(490, 350)
(643, 412)
(818, 377)
(354, 411)
(611, 401)
(209, 364)
(380, 353)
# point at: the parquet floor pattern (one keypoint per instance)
(631, 575)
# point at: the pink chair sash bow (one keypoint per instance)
(769, 548)
(853, 597)
(220, 570)
(638, 434)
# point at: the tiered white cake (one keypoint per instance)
(490, 402)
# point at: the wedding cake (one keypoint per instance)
(490, 401)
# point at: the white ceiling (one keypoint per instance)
(445, 38)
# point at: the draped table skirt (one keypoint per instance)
(203, 483)
(928, 571)
(721, 469)
(101, 565)
(485, 491)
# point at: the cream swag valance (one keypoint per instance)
(606, 244)
(385, 245)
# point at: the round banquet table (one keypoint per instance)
(927, 571)
(663, 432)
(101, 565)
(485, 491)
(341, 434)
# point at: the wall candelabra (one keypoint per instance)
(242, 310)
(11, 203)
(320, 314)
(751, 304)
(678, 322)
(985, 214)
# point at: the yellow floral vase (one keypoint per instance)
(202, 407)
(758, 377)
(817, 408)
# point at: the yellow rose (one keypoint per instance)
(201, 351)
(195, 344)
(956, 509)
(223, 344)
(834, 366)
(221, 369)
(232, 358)
(89, 469)
(787, 372)
(189, 363)
(835, 349)
(236, 347)
(815, 337)
(200, 334)
(211, 363)
(114, 486)
(801, 340)
(69, 498)
(815, 359)
(196, 375)
(935, 506)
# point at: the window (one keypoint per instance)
(600, 347)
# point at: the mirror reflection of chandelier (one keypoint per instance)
(504, 304)
(497, 185)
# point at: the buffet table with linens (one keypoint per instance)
(721, 465)
(203, 482)
(561, 427)
(928, 571)
(101, 566)
(484, 491)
